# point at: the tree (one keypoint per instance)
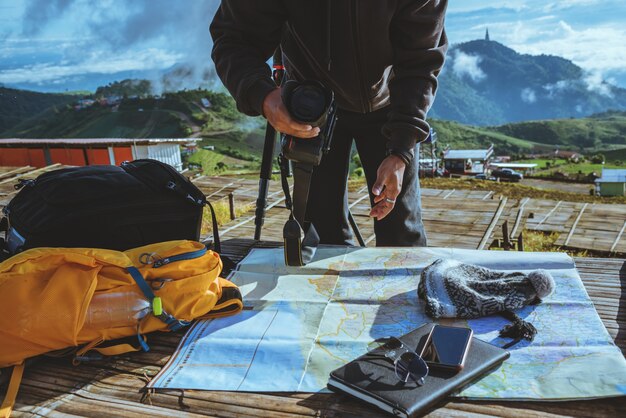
(221, 167)
(598, 159)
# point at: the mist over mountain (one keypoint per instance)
(484, 83)
(487, 83)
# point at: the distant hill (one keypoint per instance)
(175, 115)
(600, 133)
(18, 105)
(460, 136)
(171, 115)
(99, 122)
(597, 132)
(214, 117)
(128, 88)
(487, 83)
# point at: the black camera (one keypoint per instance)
(312, 103)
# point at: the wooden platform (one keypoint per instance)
(114, 388)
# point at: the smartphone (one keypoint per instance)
(446, 347)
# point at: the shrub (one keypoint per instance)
(221, 167)
(598, 159)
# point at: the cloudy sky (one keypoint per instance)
(56, 45)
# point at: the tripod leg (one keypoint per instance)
(265, 177)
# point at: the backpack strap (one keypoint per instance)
(230, 301)
(11, 395)
(157, 309)
(216, 233)
(113, 350)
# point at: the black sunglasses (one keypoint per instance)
(407, 363)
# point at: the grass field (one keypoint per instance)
(585, 168)
(548, 167)
(222, 214)
(543, 163)
(101, 122)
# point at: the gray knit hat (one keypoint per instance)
(452, 289)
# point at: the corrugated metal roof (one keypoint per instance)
(93, 141)
(612, 176)
(465, 154)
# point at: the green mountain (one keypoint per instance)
(184, 114)
(98, 122)
(18, 105)
(460, 136)
(487, 83)
(126, 88)
(598, 132)
(171, 115)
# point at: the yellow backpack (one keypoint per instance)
(55, 298)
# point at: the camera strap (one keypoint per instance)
(300, 237)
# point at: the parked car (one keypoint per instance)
(481, 176)
(507, 174)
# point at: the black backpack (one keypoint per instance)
(141, 202)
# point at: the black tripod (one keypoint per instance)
(268, 155)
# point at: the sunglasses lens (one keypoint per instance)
(411, 366)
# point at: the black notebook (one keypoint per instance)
(372, 379)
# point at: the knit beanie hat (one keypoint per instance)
(452, 289)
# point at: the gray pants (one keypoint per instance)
(328, 198)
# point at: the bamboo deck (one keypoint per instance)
(114, 387)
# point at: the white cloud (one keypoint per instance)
(569, 4)
(479, 5)
(108, 37)
(595, 83)
(466, 65)
(96, 63)
(555, 88)
(528, 95)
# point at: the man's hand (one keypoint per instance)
(388, 186)
(277, 115)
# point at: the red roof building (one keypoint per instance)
(89, 151)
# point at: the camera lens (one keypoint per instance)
(308, 103)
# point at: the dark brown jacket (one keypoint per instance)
(372, 53)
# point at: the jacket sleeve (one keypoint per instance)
(245, 34)
(419, 48)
